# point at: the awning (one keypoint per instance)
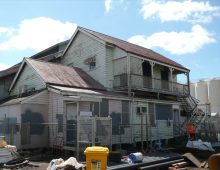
(75, 94)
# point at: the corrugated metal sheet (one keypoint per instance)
(58, 74)
(36, 98)
(9, 71)
(132, 48)
(14, 101)
(75, 90)
(47, 55)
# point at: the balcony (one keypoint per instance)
(143, 83)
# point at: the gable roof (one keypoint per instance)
(128, 47)
(57, 74)
(48, 54)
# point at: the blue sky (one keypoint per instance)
(185, 31)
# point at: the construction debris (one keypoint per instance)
(7, 152)
(190, 163)
(199, 144)
(192, 159)
(60, 163)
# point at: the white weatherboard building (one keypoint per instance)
(92, 80)
(208, 94)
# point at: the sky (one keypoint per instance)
(186, 31)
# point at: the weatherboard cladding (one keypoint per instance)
(27, 78)
(132, 48)
(57, 74)
(82, 48)
(109, 66)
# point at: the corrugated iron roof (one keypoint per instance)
(76, 90)
(9, 71)
(57, 74)
(89, 92)
(14, 101)
(134, 49)
(47, 55)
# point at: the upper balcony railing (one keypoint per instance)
(138, 82)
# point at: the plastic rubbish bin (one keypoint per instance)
(96, 158)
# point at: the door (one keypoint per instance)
(165, 80)
(147, 75)
(176, 122)
(71, 123)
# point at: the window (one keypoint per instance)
(91, 62)
(104, 108)
(164, 112)
(125, 113)
(92, 65)
(60, 122)
(141, 110)
(151, 113)
(94, 108)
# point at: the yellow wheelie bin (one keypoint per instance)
(96, 158)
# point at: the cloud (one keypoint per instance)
(114, 4)
(4, 66)
(176, 42)
(3, 30)
(189, 11)
(37, 34)
(108, 5)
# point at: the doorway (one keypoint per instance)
(147, 74)
(165, 80)
(71, 123)
(176, 122)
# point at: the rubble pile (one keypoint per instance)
(7, 152)
(190, 163)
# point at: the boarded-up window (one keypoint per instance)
(125, 113)
(117, 129)
(164, 112)
(96, 109)
(25, 133)
(104, 108)
(60, 122)
(151, 113)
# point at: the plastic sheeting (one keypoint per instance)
(60, 163)
(199, 144)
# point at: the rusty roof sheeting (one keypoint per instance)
(40, 56)
(57, 74)
(135, 49)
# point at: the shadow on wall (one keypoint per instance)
(35, 119)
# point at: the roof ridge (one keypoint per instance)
(110, 37)
(146, 50)
(46, 62)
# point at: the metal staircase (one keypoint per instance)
(195, 115)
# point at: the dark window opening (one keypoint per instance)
(164, 112)
(165, 80)
(146, 67)
(125, 113)
(92, 65)
(165, 75)
(151, 113)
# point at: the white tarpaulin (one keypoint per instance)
(60, 163)
(199, 144)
